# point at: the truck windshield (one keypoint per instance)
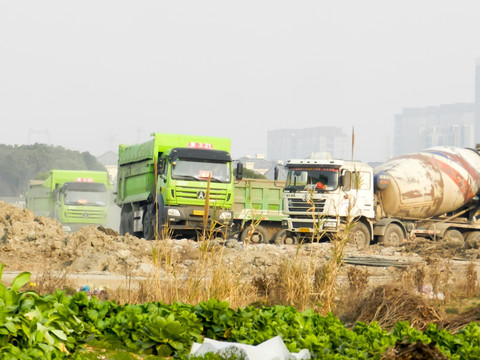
(90, 198)
(313, 178)
(201, 170)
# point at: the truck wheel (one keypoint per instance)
(393, 236)
(472, 240)
(126, 223)
(454, 238)
(360, 235)
(148, 226)
(283, 237)
(123, 224)
(257, 235)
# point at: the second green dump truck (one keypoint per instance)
(75, 198)
(183, 183)
(258, 211)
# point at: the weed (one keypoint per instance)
(50, 280)
(471, 281)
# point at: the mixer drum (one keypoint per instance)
(432, 182)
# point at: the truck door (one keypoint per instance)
(359, 187)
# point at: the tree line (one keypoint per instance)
(21, 163)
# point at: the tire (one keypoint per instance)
(472, 240)
(454, 238)
(393, 236)
(126, 221)
(283, 237)
(257, 235)
(123, 224)
(161, 217)
(360, 236)
(148, 225)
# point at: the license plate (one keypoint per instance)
(304, 230)
(198, 212)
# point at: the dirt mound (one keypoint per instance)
(426, 247)
(22, 225)
(31, 243)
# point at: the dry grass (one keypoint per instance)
(209, 275)
(51, 279)
(423, 294)
(390, 304)
(293, 282)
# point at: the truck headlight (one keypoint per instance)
(225, 215)
(173, 212)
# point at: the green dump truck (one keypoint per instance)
(182, 183)
(75, 198)
(258, 211)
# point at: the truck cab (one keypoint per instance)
(75, 198)
(81, 203)
(187, 177)
(322, 195)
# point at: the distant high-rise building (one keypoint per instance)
(284, 144)
(420, 128)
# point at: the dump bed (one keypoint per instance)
(165, 142)
(258, 199)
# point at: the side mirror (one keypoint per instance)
(239, 175)
(275, 173)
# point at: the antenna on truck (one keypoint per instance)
(353, 139)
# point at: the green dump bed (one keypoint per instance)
(258, 199)
(161, 143)
(39, 199)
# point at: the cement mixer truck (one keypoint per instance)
(432, 193)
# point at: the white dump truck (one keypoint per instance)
(432, 193)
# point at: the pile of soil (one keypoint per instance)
(34, 243)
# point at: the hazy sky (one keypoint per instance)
(88, 75)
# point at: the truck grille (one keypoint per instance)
(298, 205)
(187, 193)
(297, 225)
(92, 215)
